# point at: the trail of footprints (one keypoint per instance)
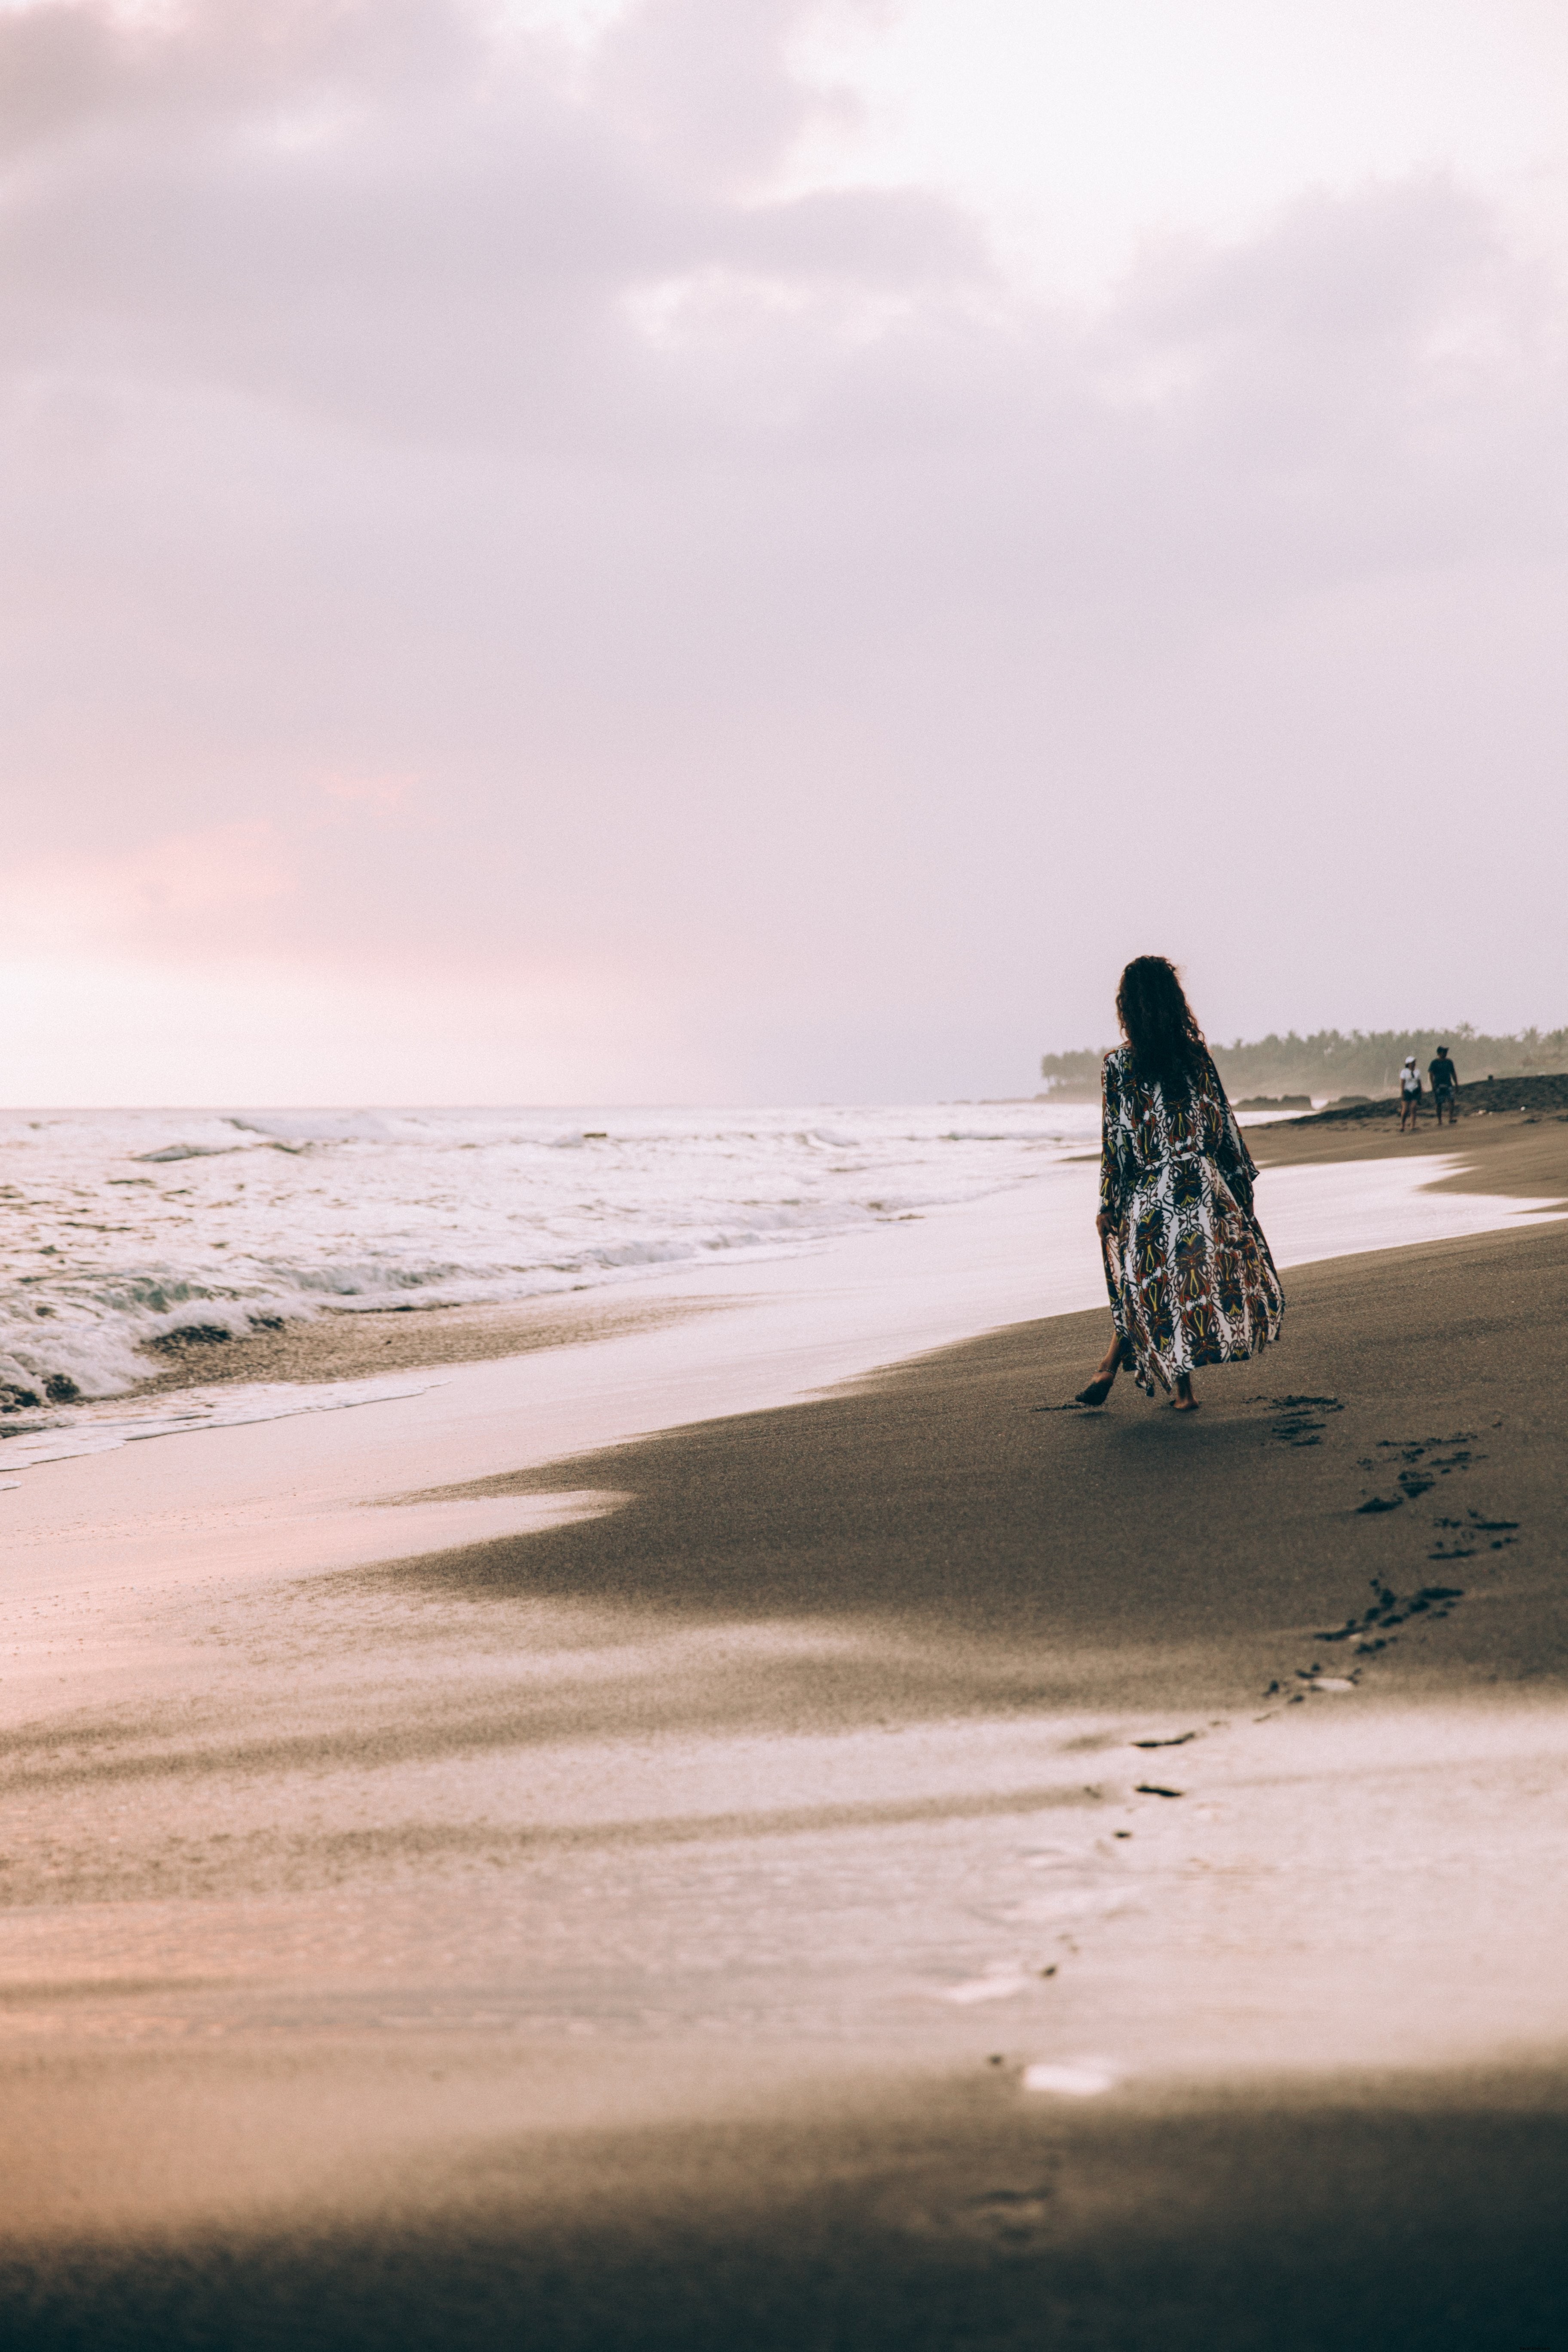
(1424, 1461)
(1019, 2218)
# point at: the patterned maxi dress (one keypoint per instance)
(1188, 1270)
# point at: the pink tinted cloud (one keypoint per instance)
(384, 795)
(168, 897)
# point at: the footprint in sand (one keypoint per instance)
(1425, 1464)
(1501, 1531)
(1372, 1632)
(1389, 1610)
(1301, 1418)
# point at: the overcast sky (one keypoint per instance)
(740, 550)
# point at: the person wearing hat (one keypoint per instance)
(1409, 1093)
(1445, 1077)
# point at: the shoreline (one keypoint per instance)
(334, 1346)
(617, 1361)
(354, 1345)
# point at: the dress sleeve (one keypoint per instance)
(1111, 1185)
(1232, 1158)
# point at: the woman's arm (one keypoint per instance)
(1109, 1216)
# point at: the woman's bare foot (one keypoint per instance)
(1098, 1388)
(1184, 1400)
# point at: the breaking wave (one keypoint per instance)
(136, 1238)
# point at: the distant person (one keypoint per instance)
(1409, 1093)
(1188, 1270)
(1445, 1080)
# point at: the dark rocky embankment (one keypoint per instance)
(1544, 1096)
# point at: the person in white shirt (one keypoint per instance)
(1409, 1093)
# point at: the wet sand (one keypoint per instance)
(351, 1346)
(641, 1930)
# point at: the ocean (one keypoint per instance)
(125, 1228)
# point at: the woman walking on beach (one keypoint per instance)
(1189, 1273)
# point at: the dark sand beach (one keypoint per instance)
(691, 1987)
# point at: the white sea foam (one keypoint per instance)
(124, 1228)
(104, 1428)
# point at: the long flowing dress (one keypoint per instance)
(1189, 1273)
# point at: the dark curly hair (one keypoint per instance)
(1157, 1022)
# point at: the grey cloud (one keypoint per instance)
(441, 251)
(705, 83)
